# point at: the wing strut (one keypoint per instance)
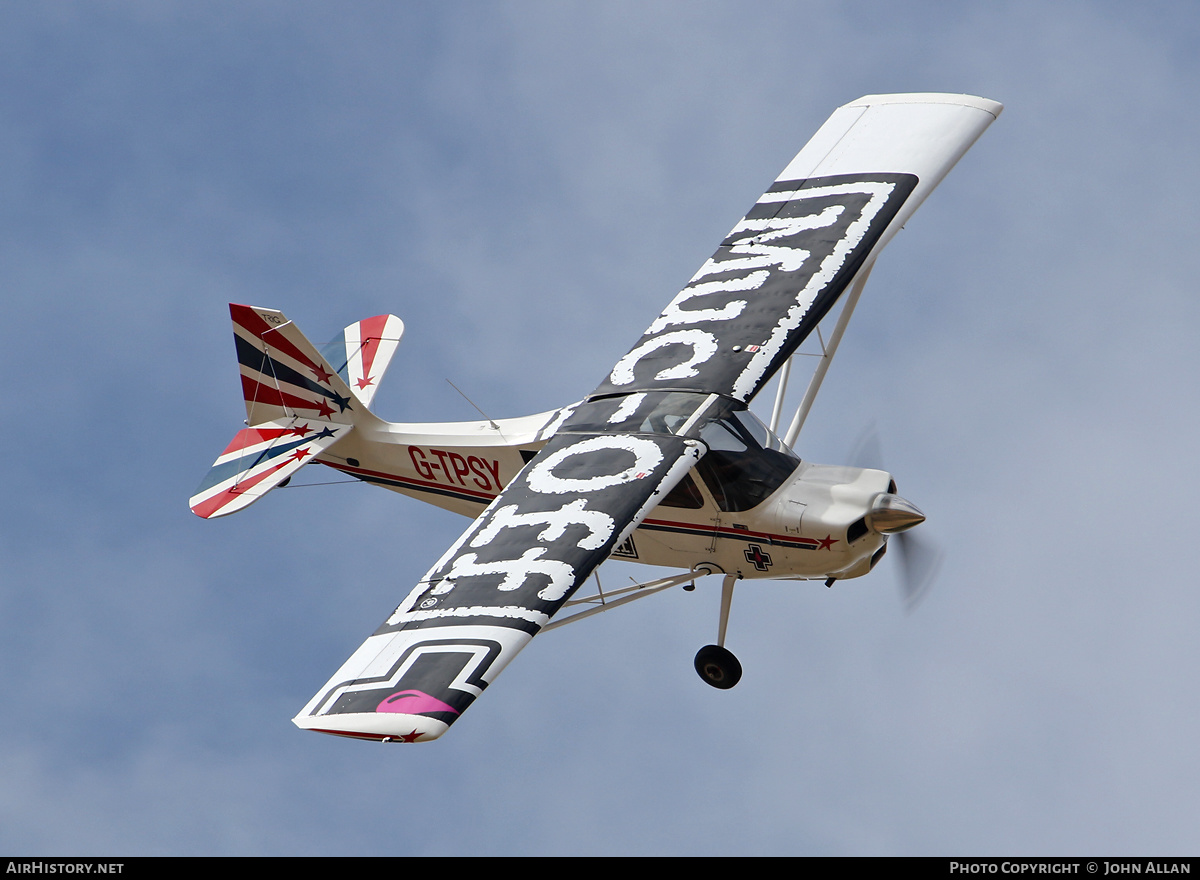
(830, 349)
(603, 602)
(777, 410)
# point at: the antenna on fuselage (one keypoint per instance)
(477, 409)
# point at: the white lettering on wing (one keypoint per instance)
(516, 572)
(509, 575)
(646, 454)
(752, 255)
(673, 314)
(627, 408)
(703, 345)
(804, 299)
(599, 524)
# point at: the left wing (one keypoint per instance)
(499, 584)
(781, 269)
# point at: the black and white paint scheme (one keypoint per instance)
(772, 280)
(503, 580)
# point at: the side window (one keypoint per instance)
(685, 494)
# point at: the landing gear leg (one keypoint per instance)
(726, 602)
(716, 665)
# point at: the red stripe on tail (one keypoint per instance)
(248, 319)
(370, 332)
(208, 507)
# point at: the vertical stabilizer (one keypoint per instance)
(362, 352)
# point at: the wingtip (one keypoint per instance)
(375, 726)
(985, 104)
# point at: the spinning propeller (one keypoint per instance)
(920, 559)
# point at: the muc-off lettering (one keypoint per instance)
(538, 562)
(494, 557)
(786, 257)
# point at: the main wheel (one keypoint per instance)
(718, 667)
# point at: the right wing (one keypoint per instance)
(498, 585)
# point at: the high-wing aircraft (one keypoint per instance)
(662, 463)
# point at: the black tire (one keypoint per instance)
(718, 667)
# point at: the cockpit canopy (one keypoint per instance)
(745, 462)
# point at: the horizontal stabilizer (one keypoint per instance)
(283, 375)
(258, 459)
(362, 352)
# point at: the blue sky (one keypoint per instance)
(526, 185)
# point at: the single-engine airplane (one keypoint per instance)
(663, 462)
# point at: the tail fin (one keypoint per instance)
(297, 406)
(362, 352)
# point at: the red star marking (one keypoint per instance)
(408, 737)
(827, 542)
(322, 374)
(300, 455)
(323, 407)
(364, 382)
(301, 431)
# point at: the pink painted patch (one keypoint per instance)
(414, 703)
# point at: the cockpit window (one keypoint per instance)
(686, 494)
(745, 462)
